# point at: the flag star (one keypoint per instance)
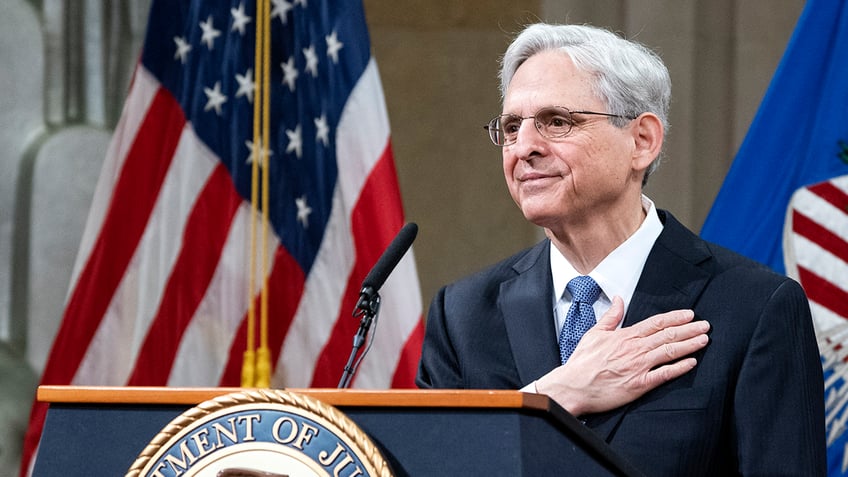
(214, 98)
(209, 32)
(311, 60)
(265, 153)
(246, 85)
(183, 48)
(240, 19)
(333, 46)
(300, 2)
(281, 9)
(323, 133)
(289, 73)
(303, 211)
(295, 142)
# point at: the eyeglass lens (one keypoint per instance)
(550, 122)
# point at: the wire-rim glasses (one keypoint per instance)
(551, 122)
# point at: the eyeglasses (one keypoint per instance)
(551, 122)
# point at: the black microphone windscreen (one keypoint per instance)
(390, 258)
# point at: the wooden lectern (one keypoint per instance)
(101, 430)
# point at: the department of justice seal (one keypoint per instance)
(261, 433)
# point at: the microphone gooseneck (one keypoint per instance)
(368, 304)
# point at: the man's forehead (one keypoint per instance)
(548, 79)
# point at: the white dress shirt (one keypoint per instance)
(616, 275)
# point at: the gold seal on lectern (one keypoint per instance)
(261, 433)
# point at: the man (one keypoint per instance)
(582, 127)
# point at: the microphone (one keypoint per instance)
(390, 258)
(369, 300)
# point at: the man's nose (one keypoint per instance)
(528, 139)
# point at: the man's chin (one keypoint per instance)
(544, 219)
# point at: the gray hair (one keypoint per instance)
(630, 78)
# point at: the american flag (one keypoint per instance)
(159, 294)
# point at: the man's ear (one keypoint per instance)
(648, 135)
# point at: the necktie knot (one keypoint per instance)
(583, 289)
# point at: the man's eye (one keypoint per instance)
(558, 122)
(510, 127)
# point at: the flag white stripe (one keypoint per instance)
(141, 94)
(213, 327)
(325, 286)
(841, 183)
(358, 151)
(821, 211)
(821, 262)
(319, 306)
(829, 326)
(400, 312)
(136, 301)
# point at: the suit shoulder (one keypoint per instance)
(716, 259)
(508, 268)
(728, 261)
(746, 282)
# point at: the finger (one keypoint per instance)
(610, 320)
(662, 321)
(666, 373)
(674, 334)
(670, 352)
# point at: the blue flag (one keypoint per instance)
(785, 199)
(796, 138)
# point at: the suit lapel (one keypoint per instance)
(673, 278)
(525, 303)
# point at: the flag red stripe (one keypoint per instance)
(407, 365)
(823, 292)
(380, 197)
(832, 194)
(132, 202)
(198, 249)
(32, 436)
(205, 235)
(285, 289)
(821, 236)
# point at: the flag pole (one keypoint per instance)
(263, 358)
(258, 153)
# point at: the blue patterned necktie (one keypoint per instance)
(580, 317)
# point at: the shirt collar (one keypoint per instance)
(618, 273)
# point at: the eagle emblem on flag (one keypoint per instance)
(815, 245)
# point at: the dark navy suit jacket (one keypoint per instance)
(752, 406)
